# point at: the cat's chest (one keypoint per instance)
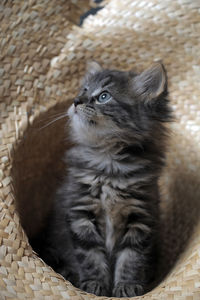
(107, 197)
(108, 206)
(110, 217)
(111, 206)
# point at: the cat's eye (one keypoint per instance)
(104, 97)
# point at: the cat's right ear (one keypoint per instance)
(151, 83)
(93, 67)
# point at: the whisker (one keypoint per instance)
(53, 121)
(50, 117)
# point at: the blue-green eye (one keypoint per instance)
(104, 97)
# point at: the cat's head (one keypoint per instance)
(119, 106)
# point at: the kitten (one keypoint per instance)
(103, 230)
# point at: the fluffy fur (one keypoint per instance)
(102, 231)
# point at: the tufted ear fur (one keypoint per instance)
(151, 83)
(93, 67)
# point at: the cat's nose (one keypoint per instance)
(77, 101)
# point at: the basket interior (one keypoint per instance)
(38, 168)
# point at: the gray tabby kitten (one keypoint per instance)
(103, 230)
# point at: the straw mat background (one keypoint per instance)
(42, 58)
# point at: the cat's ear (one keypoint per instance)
(151, 83)
(93, 67)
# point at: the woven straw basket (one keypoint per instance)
(42, 58)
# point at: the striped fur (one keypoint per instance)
(103, 229)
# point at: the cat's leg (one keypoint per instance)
(90, 254)
(94, 271)
(133, 262)
(129, 277)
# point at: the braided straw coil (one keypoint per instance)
(42, 58)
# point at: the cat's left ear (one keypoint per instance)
(151, 83)
(93, 67)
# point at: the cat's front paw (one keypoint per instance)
(123, 289)
(94, 287)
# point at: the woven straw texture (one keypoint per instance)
(42, 58)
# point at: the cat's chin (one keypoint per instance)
(79, 115)
(71, 111)
(85, 130)
(81, 126)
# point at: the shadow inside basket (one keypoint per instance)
(38, 169)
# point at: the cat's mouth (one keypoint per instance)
(86, 113)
